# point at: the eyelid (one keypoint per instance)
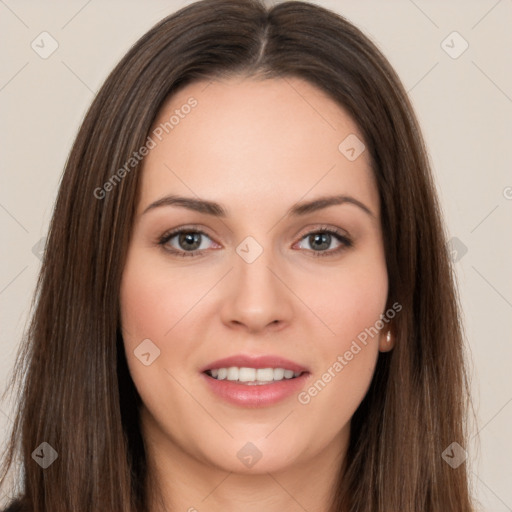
(314, 228)
(341, 235)
(163, 239)
(196, 228)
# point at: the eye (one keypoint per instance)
(189, 241)
(321, 240)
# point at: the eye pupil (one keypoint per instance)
(321, 240)
(190, 238)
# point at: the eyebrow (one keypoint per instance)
(215, 209)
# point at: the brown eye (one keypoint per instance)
(320, 241)
(190, 240)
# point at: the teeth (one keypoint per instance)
(245, 374)
(233, 373)
(252, 375)
(278, 373)
(265, 374)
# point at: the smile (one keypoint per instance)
(252, 376)
(253, 381)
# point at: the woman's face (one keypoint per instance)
(268, 284)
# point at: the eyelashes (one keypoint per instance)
(193, 236)
(319, 235)
(183, 235)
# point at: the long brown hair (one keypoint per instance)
(76, 393)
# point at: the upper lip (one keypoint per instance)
(254, 361)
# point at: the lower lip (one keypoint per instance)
(259, 395)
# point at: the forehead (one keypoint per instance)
(248, 142)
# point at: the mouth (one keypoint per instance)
(252, 376)
(254, 381)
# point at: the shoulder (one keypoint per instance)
(16, 506)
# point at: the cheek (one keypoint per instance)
(349, 301)
(152, 299)
(350, 304)
(152, 304)
(142, 309)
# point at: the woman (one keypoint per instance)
(306, 353)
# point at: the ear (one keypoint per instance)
(387, 339)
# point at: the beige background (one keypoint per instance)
(464, 105)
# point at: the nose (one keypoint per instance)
(257, 297)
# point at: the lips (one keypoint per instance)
(254, 381)
(244, 361)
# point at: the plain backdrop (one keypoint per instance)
(460, 85)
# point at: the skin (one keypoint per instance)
(256, 147)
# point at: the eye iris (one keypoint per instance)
(322, 238)
(190, 238)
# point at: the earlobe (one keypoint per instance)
(386, 341)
